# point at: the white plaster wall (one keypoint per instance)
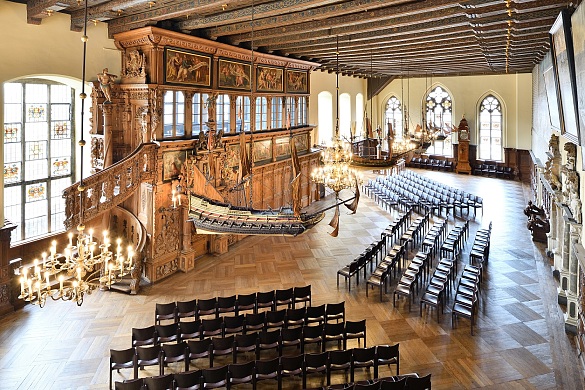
(466, 92)
(323, 81)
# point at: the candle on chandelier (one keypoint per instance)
(44, 254)
(70, 235)
(54, 249)
(22, 286)
(61, 283)
(79, 274)
(90, 235)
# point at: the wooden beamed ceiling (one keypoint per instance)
(378, 38)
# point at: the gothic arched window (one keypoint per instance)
(393, 114)
(490, 129)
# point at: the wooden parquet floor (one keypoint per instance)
(519, 342)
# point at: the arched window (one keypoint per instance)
(359, 114)
(199, 115)
(439, 116)
(276, 112)
(490, 129)
(393, 113)
(261, 113)
(242, 113)
(344, 115)
(222, 113)
(174, 114)
(325, 116)
(38, 160)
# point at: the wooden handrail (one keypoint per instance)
(109, 187)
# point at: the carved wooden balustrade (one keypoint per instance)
(110, 187)
(548, 194)
(125, 225)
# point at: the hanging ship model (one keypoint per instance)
(212, 216)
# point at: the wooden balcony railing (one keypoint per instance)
(110, 187)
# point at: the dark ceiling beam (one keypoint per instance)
(280, 20)
(368, 31)
(105, 11)
(359, 22)
(232, 21)
(37, 10)
(164, 11)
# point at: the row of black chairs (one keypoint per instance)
(466, 299)
(494, 170)
(398, 382)
(275, 369)
(196, 308)
(431, 163)
(239, 324)
(232, 346)
(443, 193)
(370, 256)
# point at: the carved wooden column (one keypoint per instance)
(565, 244)
(187, 257)
(234, 114)
(6, 275)
(188, 113)
(107, 109)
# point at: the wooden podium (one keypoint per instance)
(463, 149)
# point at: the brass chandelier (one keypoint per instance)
(336, 172)
(83, 265)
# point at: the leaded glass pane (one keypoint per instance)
(36, 220)
(36, 93)
(35, 192)
(36, 150)
(61, 94)
(12, 93)
(61, 130)
(12, 113)
(12, 133)
(60, 148)
(12, 208)
(13, 152)
(60, 166)
(34, 170)
(36, 112)
(36, 131)
(11, 173)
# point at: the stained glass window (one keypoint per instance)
(276, 112)
(439, 114)
(490, 129)
(394, 117)
(242, 113)
(199, 113)
(222, 113)
(173, 114)
(38, 145)
(261, 113)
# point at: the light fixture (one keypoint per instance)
(336, 172)
(151, 4)
(85, 266)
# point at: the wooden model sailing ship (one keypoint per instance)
(211, 216)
